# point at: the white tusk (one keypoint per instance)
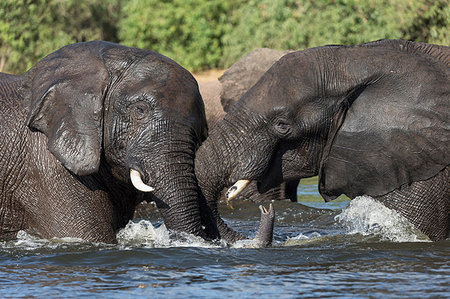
(236, 189)
(138, 183)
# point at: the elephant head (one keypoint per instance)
(367, 119)
(220, 95)
(130, 112)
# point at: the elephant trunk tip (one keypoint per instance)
(264, 236)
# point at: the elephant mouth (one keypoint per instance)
(136, 180)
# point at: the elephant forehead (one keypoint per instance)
(169, 88)
(286, 84)
(182, 97)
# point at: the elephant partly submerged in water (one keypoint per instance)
(370, 120)
(83, 126)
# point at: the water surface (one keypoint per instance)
(320, 250)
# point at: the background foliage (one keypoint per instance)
(203, 34)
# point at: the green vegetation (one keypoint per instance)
(32, 29)
(188, 31)
(204, 34)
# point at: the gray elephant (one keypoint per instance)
(83, 126)
(371, 119)
(220, 95)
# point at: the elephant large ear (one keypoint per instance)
(64, 96)
(387, 138)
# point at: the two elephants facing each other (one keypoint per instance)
(371, 119)
(81, 132)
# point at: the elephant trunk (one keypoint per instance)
(168, 175)
(213, 170)
(177, 201)
(176, 196)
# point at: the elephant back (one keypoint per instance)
(441, 53)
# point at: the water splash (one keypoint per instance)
(144, 234)
(367, 216)
(26, 243)
(140, 234)
(304, 239)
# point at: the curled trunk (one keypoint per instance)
(265, 232)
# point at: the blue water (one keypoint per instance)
(320, 250)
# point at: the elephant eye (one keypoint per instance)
(282, 127)
(139, 110)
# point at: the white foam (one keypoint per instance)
(144, 234)
(367, 216)
(302, 239)
(27, 242)
(301, 236)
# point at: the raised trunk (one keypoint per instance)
(265, 231)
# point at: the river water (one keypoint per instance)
(338, 249)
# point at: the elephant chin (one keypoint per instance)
(237, 188)
(136, 179)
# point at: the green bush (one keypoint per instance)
(431, 23)
(32, 29)
(290, 24)
(188, 31)
(204, 34)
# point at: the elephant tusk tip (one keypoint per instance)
(237, 188)
(137, 182)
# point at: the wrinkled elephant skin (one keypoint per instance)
(78, 123)
(221, 94)
(371, 119)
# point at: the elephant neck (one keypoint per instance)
(12, 87)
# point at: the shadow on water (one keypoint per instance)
(320, 250)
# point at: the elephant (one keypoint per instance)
(369, 119)
(90, 131)
(219, 95)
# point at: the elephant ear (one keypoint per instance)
(385, 139)
(64, 97)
